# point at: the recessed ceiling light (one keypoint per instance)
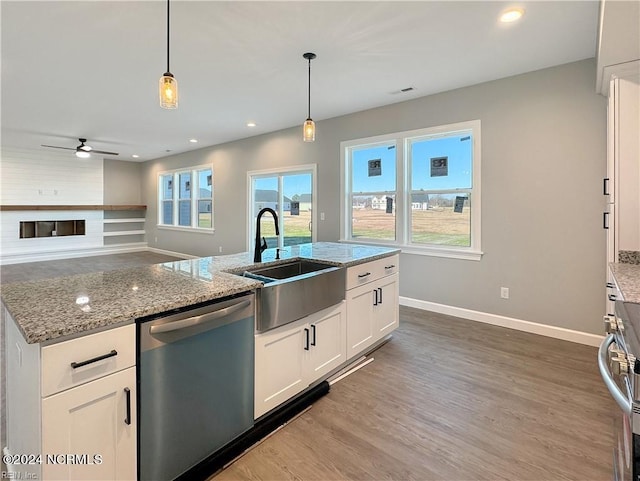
(511, 15)
(135, 156)
(193, 141)
(251, 124)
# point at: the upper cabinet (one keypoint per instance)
(618, 50)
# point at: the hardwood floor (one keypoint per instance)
(451, 399)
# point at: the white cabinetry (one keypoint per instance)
(74, 404)
(292, 357)
(622, 214)
(372, 303)
(95, 422)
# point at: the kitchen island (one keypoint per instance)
(54, 323)
(53, 310)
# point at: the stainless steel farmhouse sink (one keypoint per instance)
(295, 289)
(292, 269)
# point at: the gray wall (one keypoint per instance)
(122, 182)
(543, 160)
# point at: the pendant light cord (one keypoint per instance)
(309, 96)
(168, 70)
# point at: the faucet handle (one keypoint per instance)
(264, 245)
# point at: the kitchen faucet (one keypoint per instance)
(257, 256)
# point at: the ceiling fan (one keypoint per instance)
(83, 151)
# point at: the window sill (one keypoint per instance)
(195, 230)
(451, 253)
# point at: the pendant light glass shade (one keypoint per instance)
(168, 91)
(309, 127)
(309, 131)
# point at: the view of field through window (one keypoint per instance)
(439, 171)
(290, 195)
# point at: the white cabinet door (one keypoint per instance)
(385, 308)
(360, 329)
(96, 419)
(279, 369)
(290, 358)
(328, 347)
(627, 162)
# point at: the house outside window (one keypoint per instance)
(418, 190)
(290, 192)
(185, 198)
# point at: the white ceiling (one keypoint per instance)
(91, 68)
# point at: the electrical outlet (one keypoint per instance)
(156, 239)
(321, 215)
(504, 292)
(220, 249)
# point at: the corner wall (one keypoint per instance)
(543, 160)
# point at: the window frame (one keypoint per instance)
(176, 199)
(404, 191)
(279, 172)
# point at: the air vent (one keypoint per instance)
(402, 91)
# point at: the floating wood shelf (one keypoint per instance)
(73, 207)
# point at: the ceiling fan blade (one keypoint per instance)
(103, 152)
(57, 147)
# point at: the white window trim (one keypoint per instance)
(403, 192)
(194, 200)
(281, 171)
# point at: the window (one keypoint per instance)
(419, 190)
(290, 193)
(185, 198)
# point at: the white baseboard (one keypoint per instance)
(503, 321)
(71, 253)
(171, 253)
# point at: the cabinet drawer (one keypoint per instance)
(98, 349)
(371, 271)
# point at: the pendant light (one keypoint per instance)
(168, 88)
(309, 127)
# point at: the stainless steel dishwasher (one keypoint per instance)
(195, 375)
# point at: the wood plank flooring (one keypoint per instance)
(451, 399)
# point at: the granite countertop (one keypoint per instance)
(340, 255)
(55, 309)
(627, 278)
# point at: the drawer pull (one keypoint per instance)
(611, 285)
(127, 393)
(75, 365)
(390, 267)
(364, 275)
(611, 297)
